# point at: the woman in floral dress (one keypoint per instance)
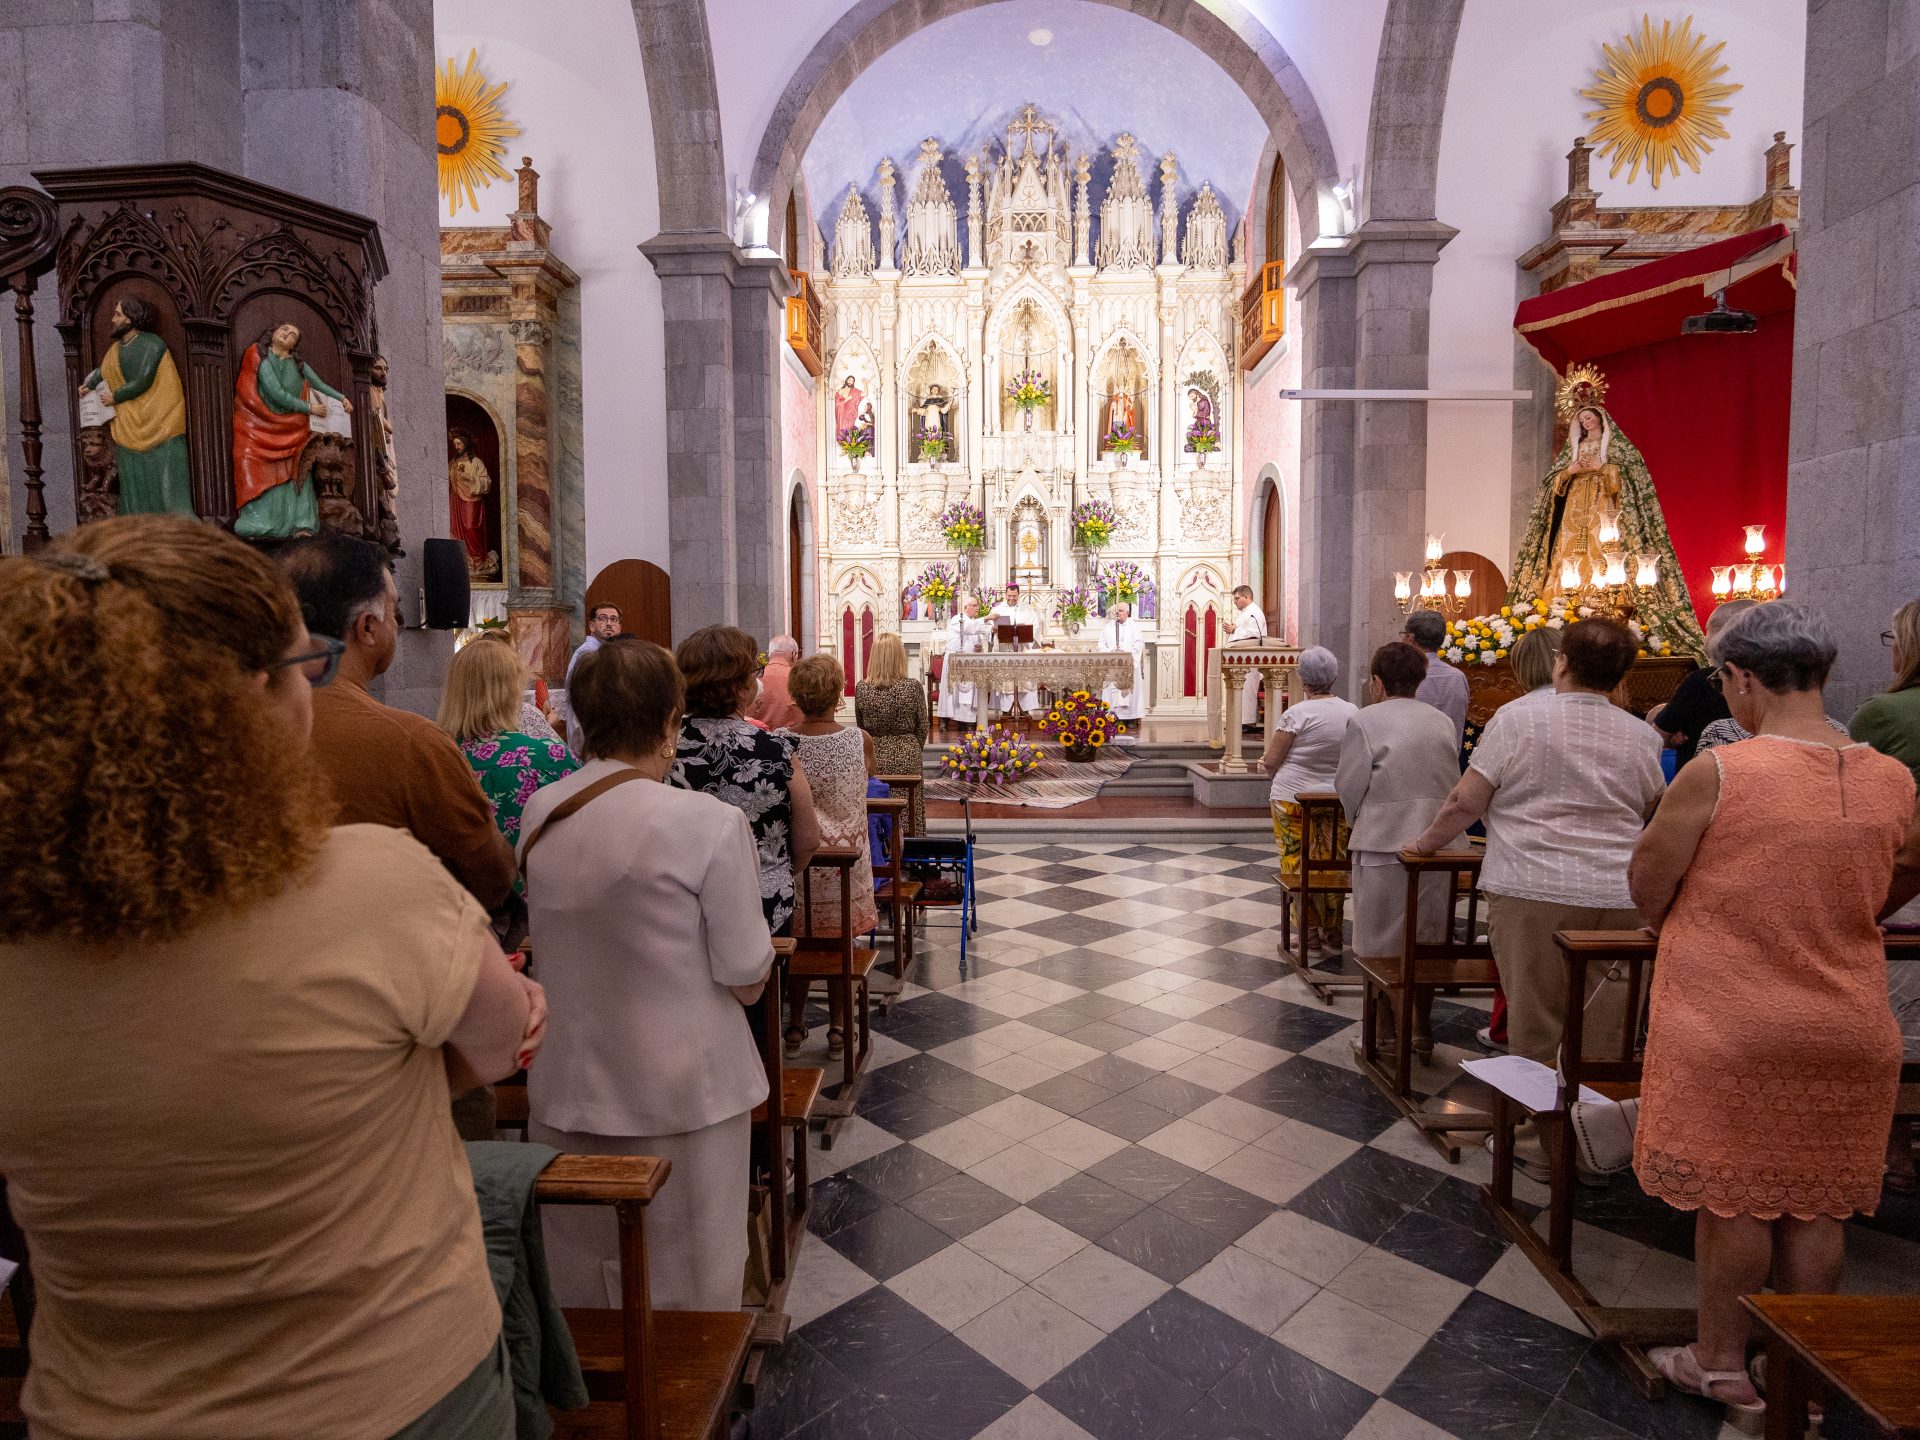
(481, 709)
(727, 756)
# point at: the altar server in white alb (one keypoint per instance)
(1121, 633)
(1249, 623)
(966, 635)
(1013, 611)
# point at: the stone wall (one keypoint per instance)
(1853, 482)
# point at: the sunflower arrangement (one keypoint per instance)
(1029, 390)
(938, 584)
(1083, 723)
(1094, 522)
(994, 757)
(1072, 607)
(962, 526)
(1486, 639)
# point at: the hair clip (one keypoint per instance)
(81, 567)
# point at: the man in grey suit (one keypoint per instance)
(1445, 687)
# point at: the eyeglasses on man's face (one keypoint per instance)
(319, 664)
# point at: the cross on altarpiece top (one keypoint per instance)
(1028, 125)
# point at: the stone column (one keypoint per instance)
(1232, 677)
(696, 297)
(761, 287)
(1853, 479)
(1393, 289)
(1323, 327)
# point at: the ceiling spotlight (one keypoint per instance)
(1040, 37)
(1721, 320)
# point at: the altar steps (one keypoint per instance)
(1159, 768)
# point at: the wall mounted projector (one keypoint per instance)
(1721, 320)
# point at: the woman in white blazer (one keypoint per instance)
(644, 910)
(1398, 763)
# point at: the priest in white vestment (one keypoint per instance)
(1013, 611)
(1122, 634)
(966, 635)
(1249, 623)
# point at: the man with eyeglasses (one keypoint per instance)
(387, 766)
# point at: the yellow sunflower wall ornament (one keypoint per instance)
(471, 130)
(1659, 100)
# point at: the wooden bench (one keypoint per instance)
(1456, 963)
(651, 1374)
(799, 1089)
(899, 894)
(845, 968)
(1865, 1347)
(1317, 879)
(1615, 1073)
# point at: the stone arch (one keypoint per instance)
(1409, 102)
(676, 54)
(1267, 548)
(1223, 30)
(803, 580)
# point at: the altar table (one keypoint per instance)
(1087, 670)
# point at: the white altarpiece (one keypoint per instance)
(1130, 326)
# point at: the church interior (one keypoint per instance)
(1280, 642)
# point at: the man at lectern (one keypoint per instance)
(1015, 612)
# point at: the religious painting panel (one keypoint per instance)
(294, 462)
(132, 404)
(475, 482)
(856, 386)
(1122, 399)
(933, 393)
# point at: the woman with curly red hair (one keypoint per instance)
(230, 1029)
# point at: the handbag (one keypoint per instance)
(569, 807)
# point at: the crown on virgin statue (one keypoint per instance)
(1581, 386)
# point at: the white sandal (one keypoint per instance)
(1680, 1368)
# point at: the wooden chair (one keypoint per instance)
(1456, 963)
(899, 894)
(905, 787)
(1615, 1073)
(845, 968)
(936, 668)
(1317, 879)
(799, 1089)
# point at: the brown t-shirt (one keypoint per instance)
(233, 1159)
(393, 767)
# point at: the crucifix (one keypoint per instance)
(1029, 124)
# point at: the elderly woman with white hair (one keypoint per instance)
(1302, 756)
(1773, 1056)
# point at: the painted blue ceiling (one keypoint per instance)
(1105, 71)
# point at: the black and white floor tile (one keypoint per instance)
(1119, 1179)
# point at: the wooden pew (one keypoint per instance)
(1456, 963)
(899, 894)
(1317, 879)
(798, 1088)
(1615, 1073)
(1865, 1347)
(652, 1374)
(845, 968)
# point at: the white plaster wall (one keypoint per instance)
(579, 95)
(757, 45)
(1513, 110)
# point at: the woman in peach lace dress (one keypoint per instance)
(1773, 1057)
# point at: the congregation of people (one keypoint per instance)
(278, 926)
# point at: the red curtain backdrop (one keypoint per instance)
(1709, 412)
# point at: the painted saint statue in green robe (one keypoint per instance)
(273, 402)
(149, 425)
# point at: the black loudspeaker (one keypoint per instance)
(443, 572)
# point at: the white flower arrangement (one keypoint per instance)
(1487, 639)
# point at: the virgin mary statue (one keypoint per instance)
(1600, 475)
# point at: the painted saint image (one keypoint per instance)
(149, 426)
(846, 406)
(274, 402)
(468, 484)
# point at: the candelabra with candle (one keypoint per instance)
(1753, 578)
(1431, 591)
(1609, 585)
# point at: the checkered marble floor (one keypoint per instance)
(1120, 1179)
